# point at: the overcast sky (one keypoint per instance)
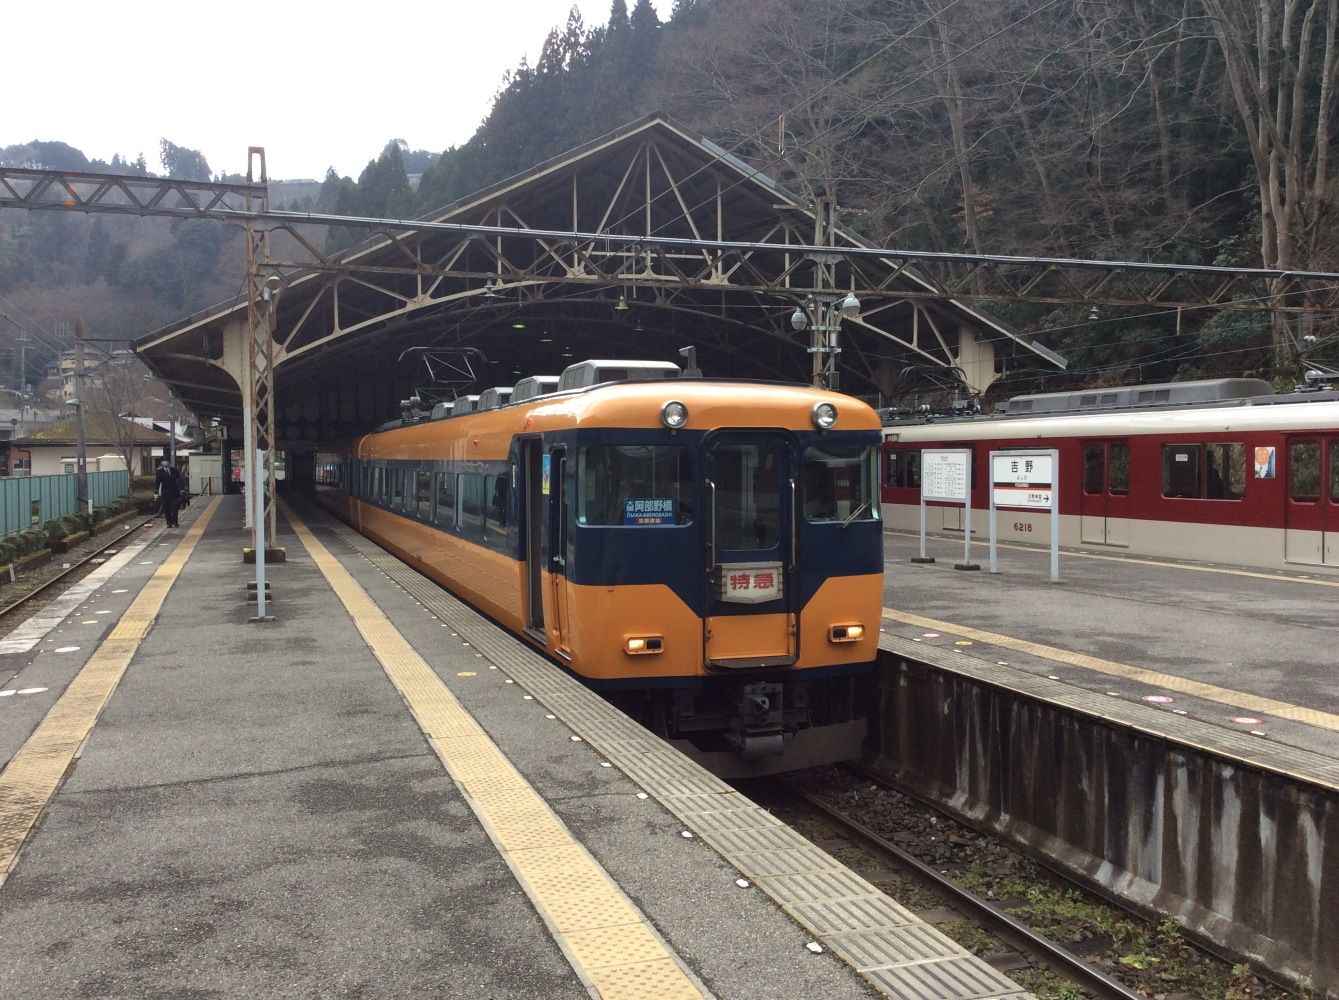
(318, 84)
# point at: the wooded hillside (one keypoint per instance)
(1196, 131)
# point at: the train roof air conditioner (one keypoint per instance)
(588, 373)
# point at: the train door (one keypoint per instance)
(750, 497)
(1311, 515)
(532, 519)
(1105, 497)
(557, 546)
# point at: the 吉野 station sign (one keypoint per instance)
(1025, 480)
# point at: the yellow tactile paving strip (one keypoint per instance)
(610, 944)
(35, 772)
(1227, 696)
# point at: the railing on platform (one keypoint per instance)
(29, 501)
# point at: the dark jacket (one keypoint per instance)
(167, 483)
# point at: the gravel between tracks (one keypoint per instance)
(1149, 957)
(33, 577)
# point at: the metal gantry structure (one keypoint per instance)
(603, 257)
(827, 278)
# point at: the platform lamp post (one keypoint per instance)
(822, 315)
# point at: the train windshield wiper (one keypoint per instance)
(856, 513)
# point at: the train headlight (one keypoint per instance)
(824, 416)
(846, 633)
(640, 645)
(674, 414)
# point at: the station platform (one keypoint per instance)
(1229, 659)
(379, 794)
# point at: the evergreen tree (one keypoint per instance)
(183, 164)
(95, 253)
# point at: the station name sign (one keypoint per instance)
(1023, 480)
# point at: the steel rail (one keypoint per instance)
(41, 588)
(1014, 933)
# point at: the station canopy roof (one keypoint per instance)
(439, 313)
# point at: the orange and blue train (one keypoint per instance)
(707, 553)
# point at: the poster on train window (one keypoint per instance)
(945, 475)
(1023, 480)
(1264, 462)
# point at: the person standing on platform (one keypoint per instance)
(169, 491)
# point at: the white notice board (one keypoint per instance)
(1023, 479)
(945, 474)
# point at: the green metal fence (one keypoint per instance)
(31, 500)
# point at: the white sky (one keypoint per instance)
(317, 84)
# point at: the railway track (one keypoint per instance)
(51, 588)
(1030, 948)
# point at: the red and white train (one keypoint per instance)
(1220, 471)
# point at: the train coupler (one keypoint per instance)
(757, 727)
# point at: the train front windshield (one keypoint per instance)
(635, 485)
(840, 482)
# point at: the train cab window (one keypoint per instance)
(839, 483)
(423, 494)
(1181, 465)
(903, 469)
(634, 485)
(446, 499)
(746, 499)
(1304, 471)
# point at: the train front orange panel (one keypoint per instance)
(842, 601)
(600, 619)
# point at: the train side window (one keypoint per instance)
(397, 488)
(446, 499)
(1304, 471)
(1225, 471)
(1181, 470)
(1118, 469)
(497, 501)
(1334, 472)
(903, 469)
(423, 494)
(839, 483)
(634, 485)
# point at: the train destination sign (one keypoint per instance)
(1025, 480)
